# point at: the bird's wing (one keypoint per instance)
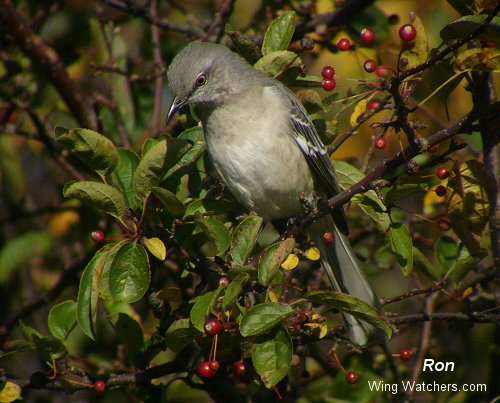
(307, 139)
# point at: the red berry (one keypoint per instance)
(343, 44)
(380, 143)
(442, 173)
(405, 354)
(224, 281)
(367, 35)
(214, 365)
(212, 326)
(297, 327)
(205, 371)
(239, 368)
(99, 386)
(491, 44)
(383, 71)
(329, 84)
(433, 148)
(373, 104)
(328, 237)
(407, 32)
(97, 236)
(328, 72)
(444, 224)
(370, 65)
(352, 377)
(440, 190)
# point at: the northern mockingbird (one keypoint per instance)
(265, 148)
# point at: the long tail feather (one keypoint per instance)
(345, 275)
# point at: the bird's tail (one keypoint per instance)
(344, 272)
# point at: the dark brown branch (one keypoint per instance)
(473, 317)
(46, 60)
(412, 293)
(335, 18)
(141, 12)
(216, 28)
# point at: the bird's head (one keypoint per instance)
(200, 75)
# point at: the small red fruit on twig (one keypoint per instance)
(442, 173)
(343, 44)
(367, 35)
(328, 237)
(407, 32)
(405, 354)
(205, 371)
(352, 377)
(380, 143)
(97, 236)
(328, 72)
(99, 386)
(212, 326)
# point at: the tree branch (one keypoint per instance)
(46, 60)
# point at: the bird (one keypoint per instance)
(264, 146)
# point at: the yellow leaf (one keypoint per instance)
(312, 325)
(323, 330)
(10, 392)
(273, 297)
(312, 253)
(291, 262)
(358, 111)
(467, 292)
(315, 316)
(156, 247)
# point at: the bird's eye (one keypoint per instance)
(201, 80)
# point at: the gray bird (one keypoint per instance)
(265, 148)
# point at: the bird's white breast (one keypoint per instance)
(251, 147)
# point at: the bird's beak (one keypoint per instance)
(174, 107)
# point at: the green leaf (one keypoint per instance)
(247, 48)
(169, 201)
(400, 191)
(200, 310)
(130, 333)
(264, 317)
(124, 173)
(468, 204)
(275, 63)
(279, 34)
(20, 250)
(462, 27)
(347, 176)
(402, 245)
(243, 239)
(272, 356)
(216, 232)
(155, 164)
(351, 305)
(179, 335)
(95, 150)
(129, 273)
(99, 195)
(109, 251)
(195, 138)
(272, 258)
(18, 346)
(481, 59)
(233, 290)
(88, 293)
(62, 319)
(446, 250)
(208, 207)
(49, 348)
(423, 264)
(464, 263)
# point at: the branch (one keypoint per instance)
(135, 11)
(46, 60)
(473, 317)
(335, 18)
